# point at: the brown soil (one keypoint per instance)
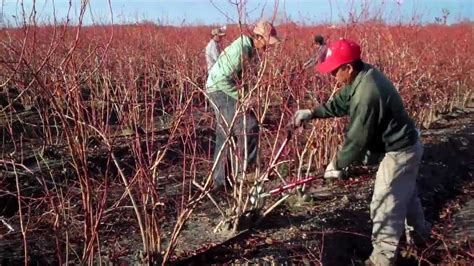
(334, 230)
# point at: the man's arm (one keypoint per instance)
(361, 130)
(337, 107)
(310, 63)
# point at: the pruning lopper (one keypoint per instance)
(257, 195)
(279, 190)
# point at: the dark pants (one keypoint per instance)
(224, 108)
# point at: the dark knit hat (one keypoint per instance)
(319, 39)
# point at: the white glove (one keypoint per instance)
(302, 116)
(331, 172)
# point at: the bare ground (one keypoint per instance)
(336, 231)
(332, 231)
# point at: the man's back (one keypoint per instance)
(318, 57)
(321, 53)
(394, 129)
(228, 67)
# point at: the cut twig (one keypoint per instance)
(210, 197)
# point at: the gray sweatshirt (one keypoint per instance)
(212, 52)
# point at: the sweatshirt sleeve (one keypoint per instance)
(337, 107)
(310, 63)
(360, 131)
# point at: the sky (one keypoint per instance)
(218, 12)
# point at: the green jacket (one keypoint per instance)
(228, 67)
(378, 120)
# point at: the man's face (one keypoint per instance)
(343, 74)
(260, 43)
(317, 45)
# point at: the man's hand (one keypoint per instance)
(302, 116)
(332, 173)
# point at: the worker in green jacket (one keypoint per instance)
(379, 123)
(223, 94)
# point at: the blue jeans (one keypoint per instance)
(224, 108)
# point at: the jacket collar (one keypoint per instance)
(360, 76)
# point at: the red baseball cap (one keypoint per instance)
(340, 52)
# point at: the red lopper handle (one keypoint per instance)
(278, 190)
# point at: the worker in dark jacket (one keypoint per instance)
(320, 52)
(379, 123)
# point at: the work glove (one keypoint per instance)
(332, 173)
(302, 116)
(371, 158)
